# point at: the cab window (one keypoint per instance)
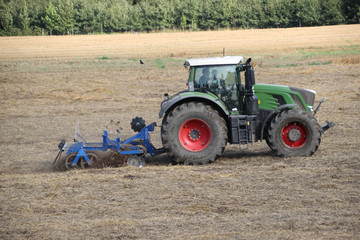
(220, 80)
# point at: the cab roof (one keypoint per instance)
(226, 60)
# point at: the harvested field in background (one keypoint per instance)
(183, 45)
(48, 84)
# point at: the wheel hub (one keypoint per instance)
(294, 134)
(195, 135)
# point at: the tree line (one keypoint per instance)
(58, 17)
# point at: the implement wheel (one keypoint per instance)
(81, 163)
(94, 161)
(194, 133)
(136, 161)
(294, 132)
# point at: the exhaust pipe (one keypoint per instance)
(251, 101)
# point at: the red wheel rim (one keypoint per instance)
(294, 134)
(194, 135)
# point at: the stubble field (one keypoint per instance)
(49, 84)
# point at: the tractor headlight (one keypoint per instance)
(311, 108)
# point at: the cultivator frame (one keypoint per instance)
(134, 148)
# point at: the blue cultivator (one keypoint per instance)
(109, 152)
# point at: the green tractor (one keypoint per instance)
(218, 109)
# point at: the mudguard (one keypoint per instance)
(204, 96)
(269, 116)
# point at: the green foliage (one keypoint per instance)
(331, 12)
(159, 63)
(307, 12)
(6, 20)
(51, 20)
(351, 11)
(104, 58)
(66, 14)
(26, 17)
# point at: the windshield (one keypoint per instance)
(219, 79)
(212, 76)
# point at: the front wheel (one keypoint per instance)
(194, 133)
(294, 132)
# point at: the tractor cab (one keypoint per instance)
(217, 75)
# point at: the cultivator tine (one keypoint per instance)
(57, 157)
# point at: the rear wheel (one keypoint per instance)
(194, 133)
(294, 132)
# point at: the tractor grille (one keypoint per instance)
(309, 96)
(298, 101)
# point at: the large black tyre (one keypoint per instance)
(294, 132)
(194, 133)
